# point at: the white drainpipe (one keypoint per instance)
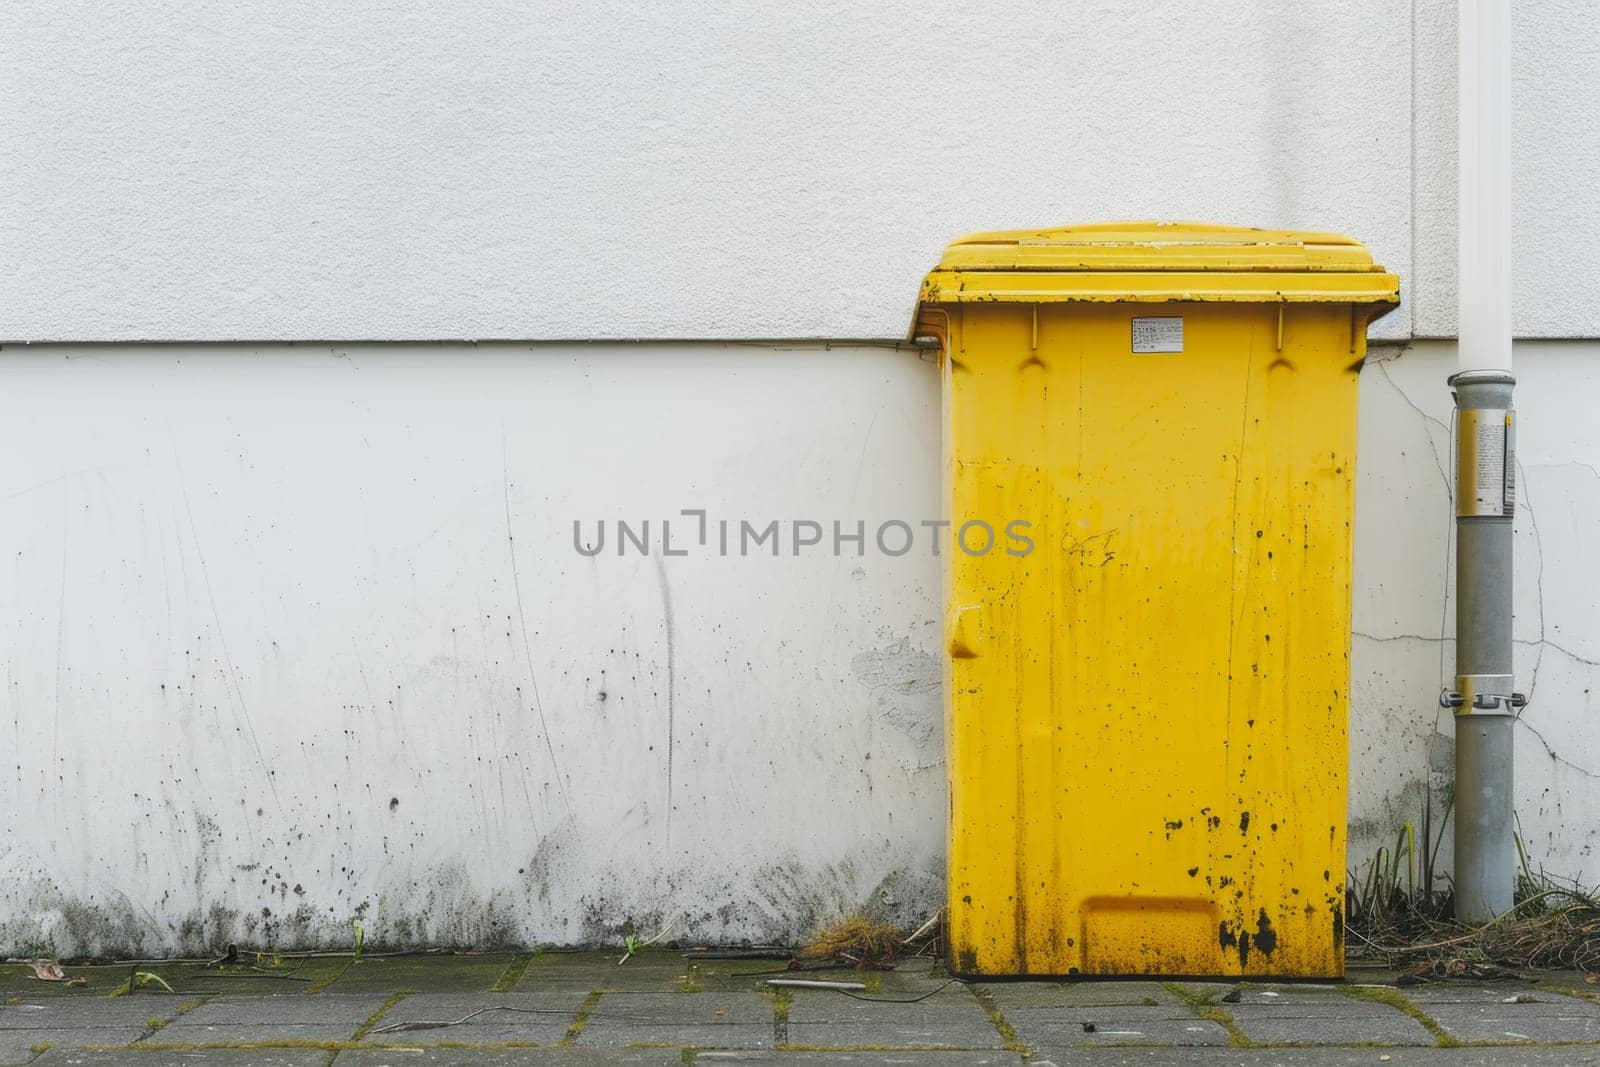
(1484, 701)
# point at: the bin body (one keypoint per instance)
(1146, 713)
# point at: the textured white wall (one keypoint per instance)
(299, 170)
(297, 634)
(1555, 169)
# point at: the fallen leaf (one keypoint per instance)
(48, 971)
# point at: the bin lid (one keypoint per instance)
(1159, 261)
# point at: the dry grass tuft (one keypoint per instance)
(1550, 928)
(854, 942)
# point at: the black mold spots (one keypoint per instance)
(1193, 871)
(1338, 926)
(1266, 936)
(394, 803)
(1265, 939)
(1244, 821)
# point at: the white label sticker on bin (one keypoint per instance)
(1158, 334)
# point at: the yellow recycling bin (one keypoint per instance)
(1147, 711)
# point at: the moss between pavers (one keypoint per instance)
(648, 971)
(201, 1046)
(587, 960)
(303, 1043)
(782, 1000)
(1008, 1035)
(881, 1048)
(422, 973)
(156, 1023)
(329, 978)
(1205, 1008)
(511, 975)
(383, 1009)
(464, 1045)
(581, 1020)
(1404, 1004)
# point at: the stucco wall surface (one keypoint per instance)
(298, 635)
(1555, 163)
(294, 170)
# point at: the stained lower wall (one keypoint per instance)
(299, 636)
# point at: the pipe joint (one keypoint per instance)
(1469, 378)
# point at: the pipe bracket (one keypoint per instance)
(1483, 694)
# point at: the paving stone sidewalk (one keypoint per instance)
(583, 1008)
